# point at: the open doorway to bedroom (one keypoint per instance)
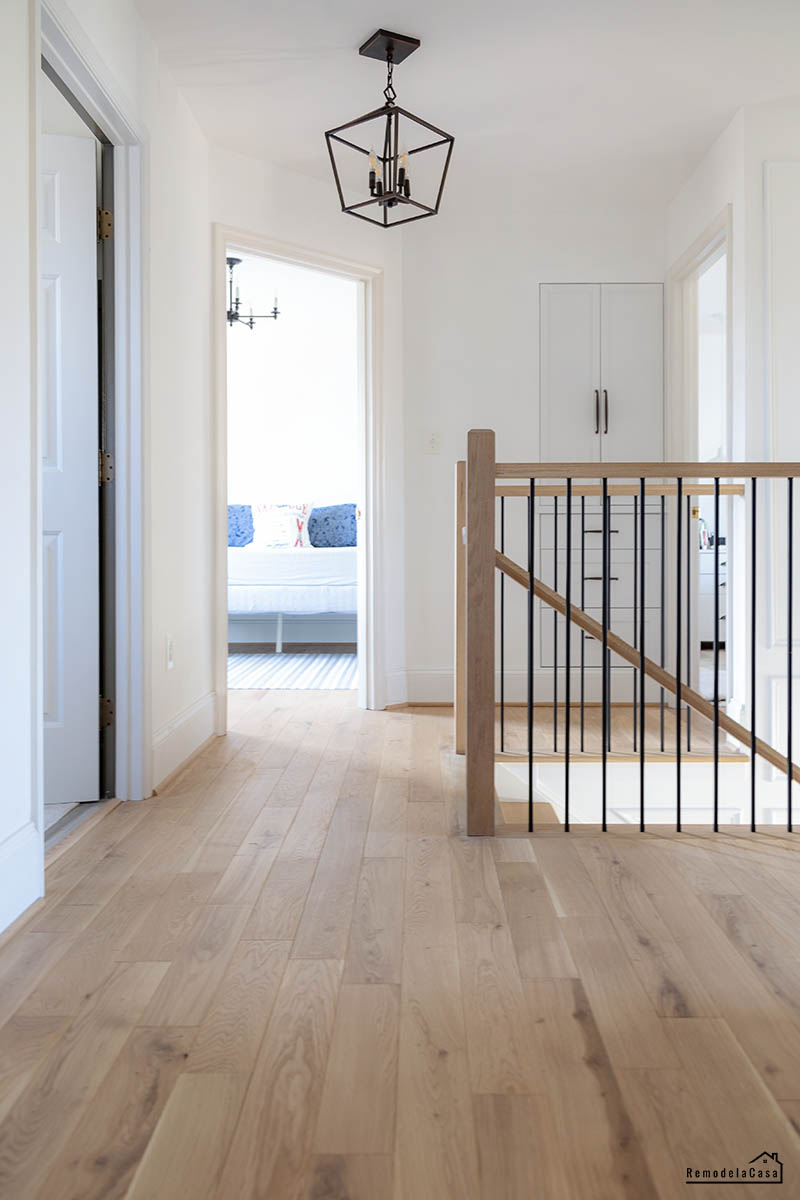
(295, 381)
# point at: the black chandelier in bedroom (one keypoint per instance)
(392, 166)
(234, 314)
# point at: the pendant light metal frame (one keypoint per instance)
(393, 48)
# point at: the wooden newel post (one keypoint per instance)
(480, 631)
(460, 656)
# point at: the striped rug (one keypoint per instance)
(309, 671)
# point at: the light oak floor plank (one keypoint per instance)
(290, 976)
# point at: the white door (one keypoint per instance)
(570, 372)
(632, 372)
(69, 469)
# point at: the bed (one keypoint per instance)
(307, 581)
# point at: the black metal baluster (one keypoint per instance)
(688, 618)
(716, 655)
(607, 590)
(555, 626)
(568, 656)
(583, 607)
(789, 632)
(635, 608)
(531, 544)
(604, 659)
(679, 597)
(754, 575)
(502, 628)
(642, 494)
(663, 658)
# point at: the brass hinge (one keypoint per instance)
(106, 712)
(105, 224)
(105, 466)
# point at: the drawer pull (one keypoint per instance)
(599, 578)
(600, 531)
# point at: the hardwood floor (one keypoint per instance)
(290, 977)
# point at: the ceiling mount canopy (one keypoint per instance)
(392, 165)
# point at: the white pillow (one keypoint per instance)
(280, 525)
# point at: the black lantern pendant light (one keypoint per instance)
(392, 166)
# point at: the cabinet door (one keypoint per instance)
(632, 372)
(569, 371)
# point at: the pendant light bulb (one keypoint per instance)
(402, 172)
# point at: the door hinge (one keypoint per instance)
(106, 712)
(105, 467)
(105, 224)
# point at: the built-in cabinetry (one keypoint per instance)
(601, 397)
(705, 580)
(602, 374)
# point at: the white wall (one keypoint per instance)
(293, 388)
(177, 251)
(271, 202)
(471, 298)
(20, 701)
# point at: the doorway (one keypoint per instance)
(355, 517)
(700, 430)
(77, 429)
(294, 475)
(712, 445)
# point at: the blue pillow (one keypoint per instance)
(240, 524)
(334, 525)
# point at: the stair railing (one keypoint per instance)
(480, 482)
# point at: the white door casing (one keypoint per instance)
(69, 468)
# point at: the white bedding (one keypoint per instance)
(298, 580)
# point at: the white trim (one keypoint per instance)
(176, 741)
(373, 687)
(64, 46)
(681, 410)
(681, 390)
(22, 871)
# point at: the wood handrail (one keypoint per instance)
(617, 489)
(631, 655)
(649, 470)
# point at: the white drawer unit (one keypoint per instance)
(587, 575)
(705, 599)
(621, 623)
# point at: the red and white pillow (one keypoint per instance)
(280, 526)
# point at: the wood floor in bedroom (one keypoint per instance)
(290, 976)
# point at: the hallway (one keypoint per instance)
(289, 976)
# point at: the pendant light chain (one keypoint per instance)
(388, 91)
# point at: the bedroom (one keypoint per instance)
(294, 474)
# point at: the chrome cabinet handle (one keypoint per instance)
(596, 410)
(605, 402)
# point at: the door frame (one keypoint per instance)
(82, 74)
(682, 400)
(373, 448)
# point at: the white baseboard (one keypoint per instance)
(174, 742)
(396, 689)
(22, 872)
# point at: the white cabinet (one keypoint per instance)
(705, 581)
(601, 372)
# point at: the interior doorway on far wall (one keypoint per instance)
(295, 474)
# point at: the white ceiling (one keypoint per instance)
(636, 89)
